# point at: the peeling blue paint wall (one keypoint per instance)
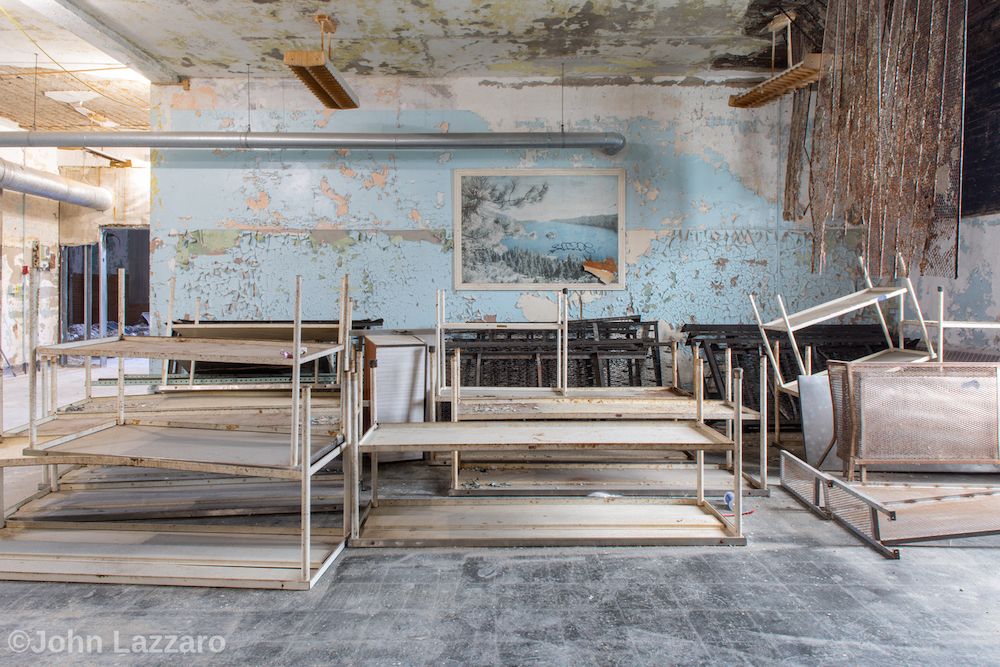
(703, 226)
(975, 294)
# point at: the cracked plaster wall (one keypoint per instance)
(703, 225)
(975, 294)
(23, 220)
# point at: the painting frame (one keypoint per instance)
(618, 283)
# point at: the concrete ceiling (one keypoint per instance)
(76, 86)
(425, 38)
(56, 101)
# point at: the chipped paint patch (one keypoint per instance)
(324, 119)
(261, 201)
(196, 99)
(537, 308)
(638, 243)
(376, 179)
(342, 201)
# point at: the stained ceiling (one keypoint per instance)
(437, 38)
(20, 24)
(51, 79)
(53, 100)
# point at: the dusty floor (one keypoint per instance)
(70, 382)
(803, 592)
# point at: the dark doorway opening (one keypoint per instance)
(89, 285)
(128, 249)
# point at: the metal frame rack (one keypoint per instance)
(871, 296)
(500, 404)
(887, 515)
(183, 554)
(624, 471)
(606, 351)
(549, 521)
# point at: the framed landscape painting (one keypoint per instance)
(539, 229)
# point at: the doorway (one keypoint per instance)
(128, 249)
(89, 285)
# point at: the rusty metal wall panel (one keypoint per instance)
(941, 246)
(886, 145)
(798, 133)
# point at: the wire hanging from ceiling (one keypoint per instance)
(54, 72)
(562, 99)
(24, 32)
(34, 98)
(248, 97)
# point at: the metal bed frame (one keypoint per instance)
(887, 515)
(871, 296)
(218, 556)
(410, 522)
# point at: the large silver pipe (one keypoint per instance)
(608, 142)
(52, 186)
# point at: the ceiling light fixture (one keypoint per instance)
(315, 71)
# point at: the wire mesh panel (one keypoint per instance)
(803, 481)
(859, 515)
(842, 416)
(916, 414)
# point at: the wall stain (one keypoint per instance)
(701, 225)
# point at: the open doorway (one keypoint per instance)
(127, 248)
(89, 285)
(78, 303)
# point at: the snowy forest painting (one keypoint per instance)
(539, 228)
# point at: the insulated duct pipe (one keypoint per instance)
(608, 142)
(52, 186)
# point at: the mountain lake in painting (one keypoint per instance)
(539, 229)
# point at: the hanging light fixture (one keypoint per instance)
(313, 68)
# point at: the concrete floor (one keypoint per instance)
(803, 592)
(70, 388)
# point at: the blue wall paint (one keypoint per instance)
(700, 238)
(975, 294)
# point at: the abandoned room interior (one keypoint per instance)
(446, 332)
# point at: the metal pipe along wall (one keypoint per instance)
(608, 142)
(52, 186)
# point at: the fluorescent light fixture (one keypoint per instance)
(322, 79)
